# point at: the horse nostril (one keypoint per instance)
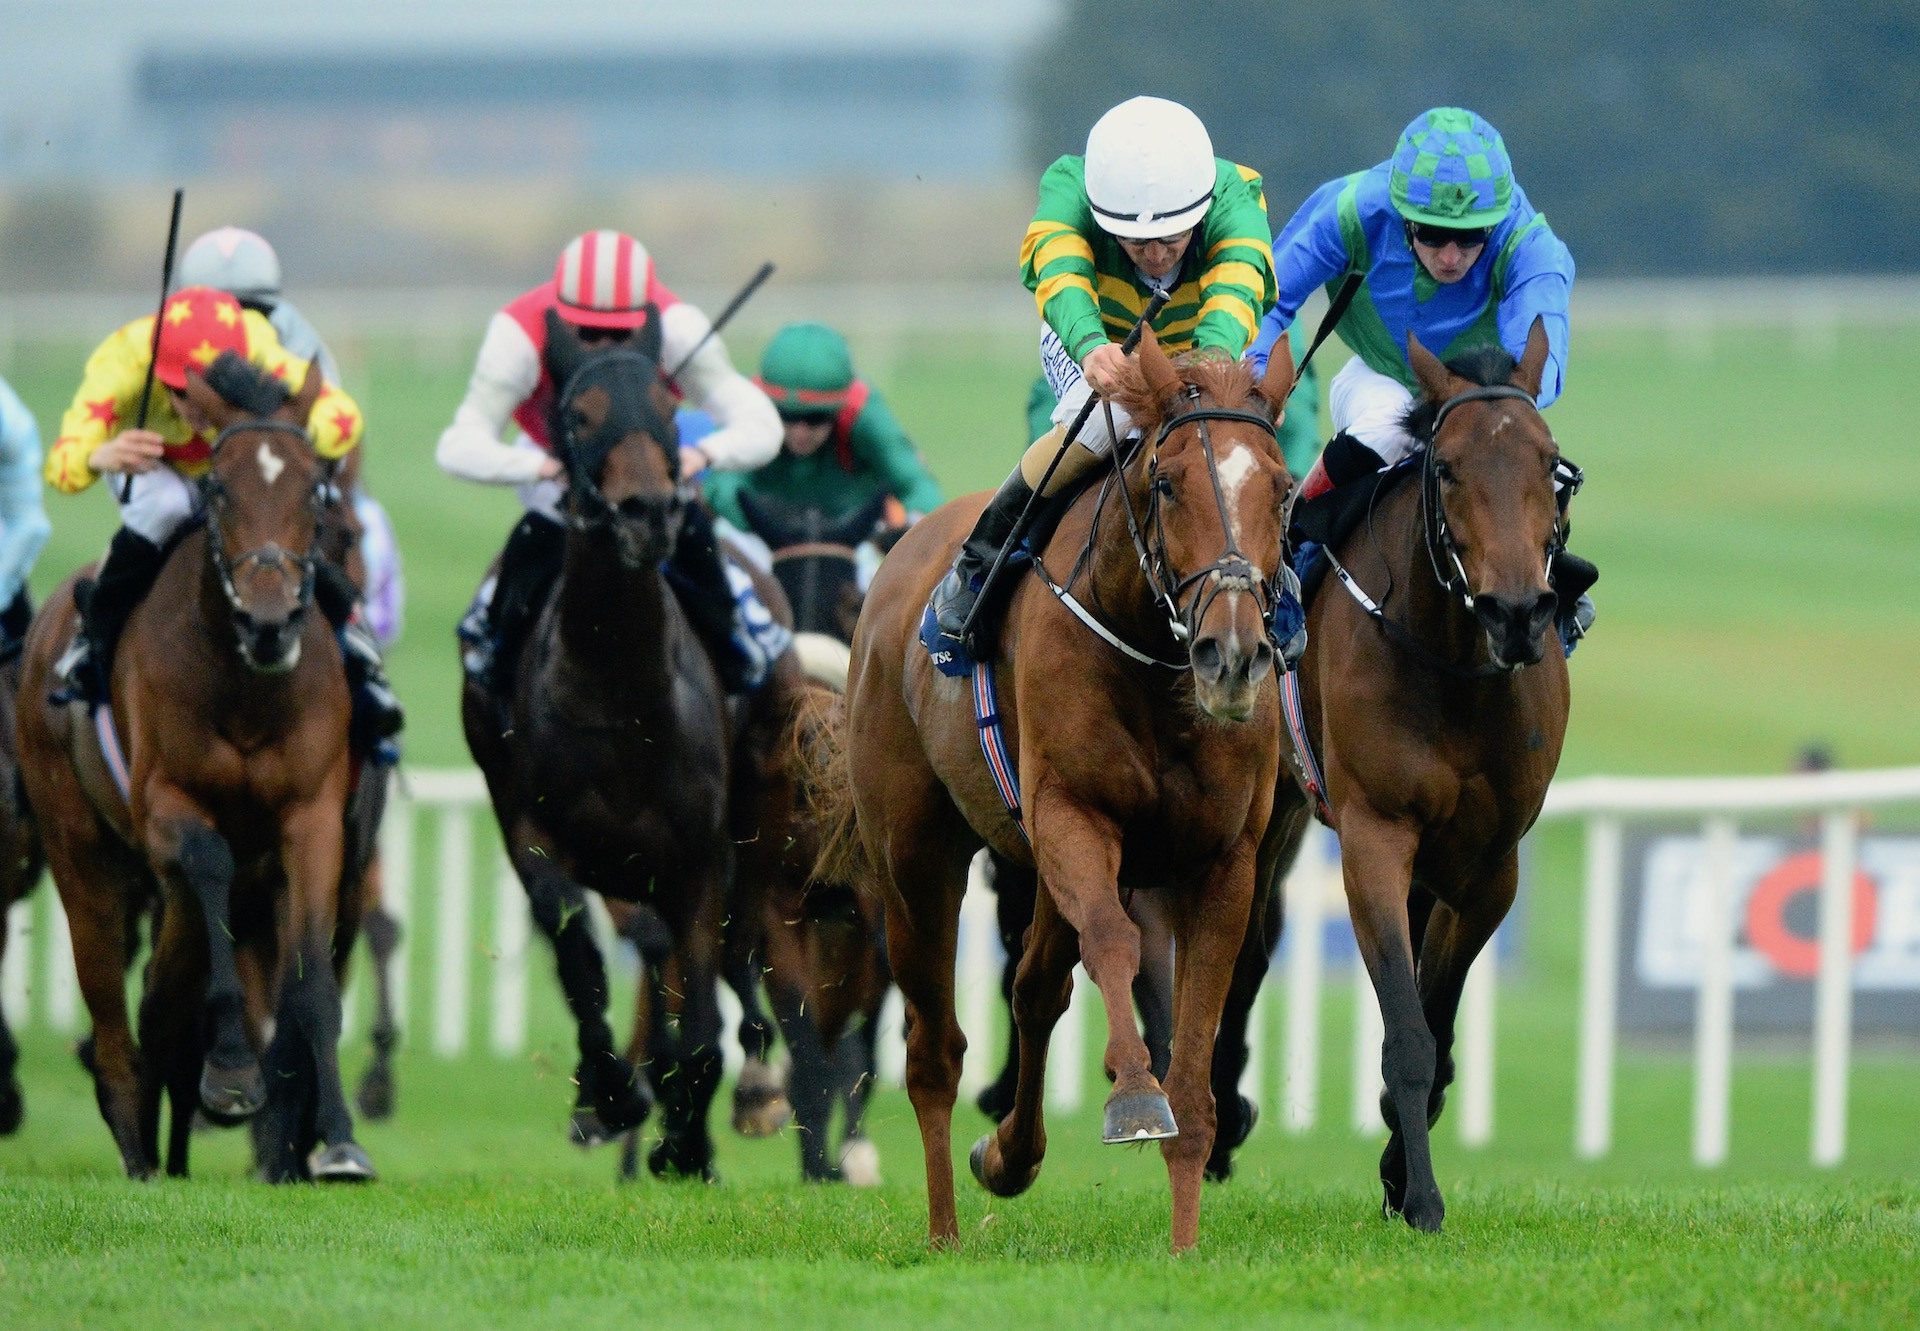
(1208, 662)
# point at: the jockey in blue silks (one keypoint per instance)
(1449, 248)
(23, 518)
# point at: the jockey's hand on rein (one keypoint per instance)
(1103, 366)
(132, 451)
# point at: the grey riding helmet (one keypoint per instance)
(234, 260)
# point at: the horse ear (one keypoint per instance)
(301, 404)
(766, 519)
(565, 351)
(1434, 378)
(220, 412)
(856, 526)
(1276, 385)
(1533, 361)
(1156, 366)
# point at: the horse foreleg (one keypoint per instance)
(612, 1096)
(686, 1148)
(95, 890)
(810, 1073)
(1007, 1160)
(1234, 1113)
(1455, 935)
(1013, 890)
(1211, 931)
(1153, 986)
(170, 1012)
(1377, 862)
(762, 1104)
(195, 864)
(1079, 859)
(376, 1093)
(12, 1107)
(311, 844)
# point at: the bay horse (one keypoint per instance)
(612, 771)
(1436, 715)
(230, 702)
(1144, 751)
(825, 971)
(21, 860)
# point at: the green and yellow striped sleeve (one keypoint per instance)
(1237, 286)
(1056, 258)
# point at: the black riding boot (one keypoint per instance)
(13, 625)
(106, 602)
(1571, 576)
(965, 584)
(1329, 504)
(529, 566)
(377, 716)
(700, 581)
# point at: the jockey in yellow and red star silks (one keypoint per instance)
(200, 324)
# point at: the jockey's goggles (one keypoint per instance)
(1174, 241)
(588, 333)
(1439, 237)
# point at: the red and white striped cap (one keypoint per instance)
(602, 279)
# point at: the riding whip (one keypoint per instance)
(1154, 305)
(1335, 308)
(733, 306)
(159, 318)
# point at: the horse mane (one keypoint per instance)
(1487, 366)
(241, 384)
(1228, 382)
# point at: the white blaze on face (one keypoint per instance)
(271, 464)
(1235, 467)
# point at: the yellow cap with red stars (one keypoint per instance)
(196, 325)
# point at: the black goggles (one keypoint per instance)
(1439, 237)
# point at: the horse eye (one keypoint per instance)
(1444, 472)
(1163, 486)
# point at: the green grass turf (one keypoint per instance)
(1752, 512)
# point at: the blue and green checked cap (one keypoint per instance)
(1450, 169)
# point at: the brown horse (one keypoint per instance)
(21, 861)
(1437, 718)
(1144, 747)
(231, 705)
(613, 770)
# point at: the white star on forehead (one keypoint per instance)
(271, 463)
(1235, 467)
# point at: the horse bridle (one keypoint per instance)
(591, 507)
(212, 488)
(1232, 571)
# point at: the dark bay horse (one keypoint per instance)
(230, 701)
(21, 861)
(1438, 721)
(1137, 774)
(825, 971)
(612, 772)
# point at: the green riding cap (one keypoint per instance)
(807, 371)
(1450, 169)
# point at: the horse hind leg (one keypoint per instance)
(172, 1022)
(1014, 887)
(1235, 1115)
(762, 1103)
(12, 1104)
(1007, 1160)
(376, 1093)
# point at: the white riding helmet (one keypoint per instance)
(1150, 169)
(233, 260)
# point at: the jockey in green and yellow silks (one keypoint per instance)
(1147, 209)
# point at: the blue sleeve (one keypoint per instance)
(23, 518)
(1539, 282)
(1308, 253)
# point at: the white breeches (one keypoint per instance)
(160, 501)
(1071, 392)
(1369, 406)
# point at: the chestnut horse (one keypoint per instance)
(613, 770)
(1146, 747)
(1437, 718)
(21, 862)
(230, 702)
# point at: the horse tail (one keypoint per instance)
(817, 757)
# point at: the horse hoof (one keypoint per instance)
(231, 1095)
(977, 1161)
(1138, 1116)
(586, 1131)
(1249, 1119)
(13, 1110)
(375, 1096)
(860, 1163)
(1424, 1213)
(345, 1163)
(760, 1104)
(665, 1162)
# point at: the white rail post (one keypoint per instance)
(15, 976)
(452, 922)
(1254, 1075)
(396, 893)
(1305, 925)
(1713, 1013)
(509, 960)
(1369, 1036)
(979, 978)
(63, 982)
(1599, 988)
(1067, 1053)
(1477, 1028)
(1833, 991)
